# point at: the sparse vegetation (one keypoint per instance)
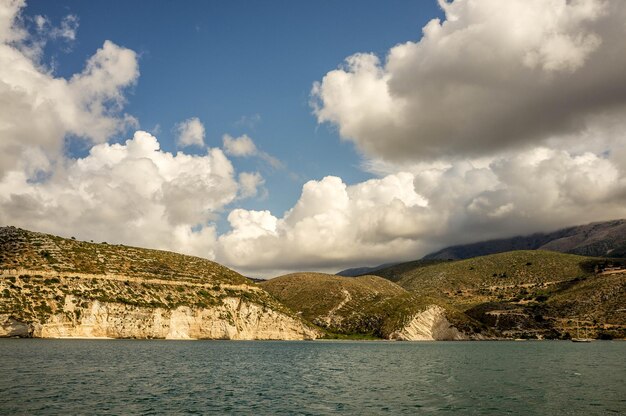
(525, 293)
(36, 251)
(365, 306)
(522, 294)
(66, 270)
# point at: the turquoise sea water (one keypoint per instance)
(311, 378)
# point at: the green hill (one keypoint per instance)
(497, 270)
(525, 293)
(22, 249)
(366, 305)
(55, 287)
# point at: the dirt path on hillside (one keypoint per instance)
(122, 278)
(612, 272)
(331, 315)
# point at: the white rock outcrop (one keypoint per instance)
(429, 325)
(10, 327)
(235, 319)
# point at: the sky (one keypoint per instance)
(282, 136)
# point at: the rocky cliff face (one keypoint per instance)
(429, 325)
(234, 319)
(99, 307)
(54, 287)
(11, 327)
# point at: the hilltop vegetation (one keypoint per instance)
(525, 293)
(21, 249)
(365, 305)
(504, 269)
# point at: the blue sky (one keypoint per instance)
(435, 123)
(227, 62)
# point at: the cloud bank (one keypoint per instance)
(133, 192)
(506, 118)
(407, 214)
(495, 75)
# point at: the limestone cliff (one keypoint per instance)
(11, 327)
(429, 325)
(234, 319)
(35, 305)
(57, 287)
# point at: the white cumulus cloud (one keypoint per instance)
(494, 75)
(40, 110)
(249, 183)
(243, 146)
(133, 193)
(190, 133)
(407, 214)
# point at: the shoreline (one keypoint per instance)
(320, 340)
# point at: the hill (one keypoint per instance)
(366, 306)
(361, 271)
(56, 287)
(599, 239)
(526, 293)
(396, 271)
(21, 249)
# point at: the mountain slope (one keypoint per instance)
(56, 287)
(362, 271)
(366, 305)
(600, 239)
(530, 293)
(21, 249)
(510, 268)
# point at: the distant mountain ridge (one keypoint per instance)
(361, 271)
(598, 239)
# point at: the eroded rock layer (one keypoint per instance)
(33, 305)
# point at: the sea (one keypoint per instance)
(152, 377)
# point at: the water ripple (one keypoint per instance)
(311, 378)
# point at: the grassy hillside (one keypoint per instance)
(598, 302)
(367, 305)
(395, 272)
(505, 269)
(41, 273)
(21, 249)
(525, 293)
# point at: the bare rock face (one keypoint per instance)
(53, 287)
(234, 319)
(429, 325)
(10, 327)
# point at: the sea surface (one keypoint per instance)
(311, 378)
